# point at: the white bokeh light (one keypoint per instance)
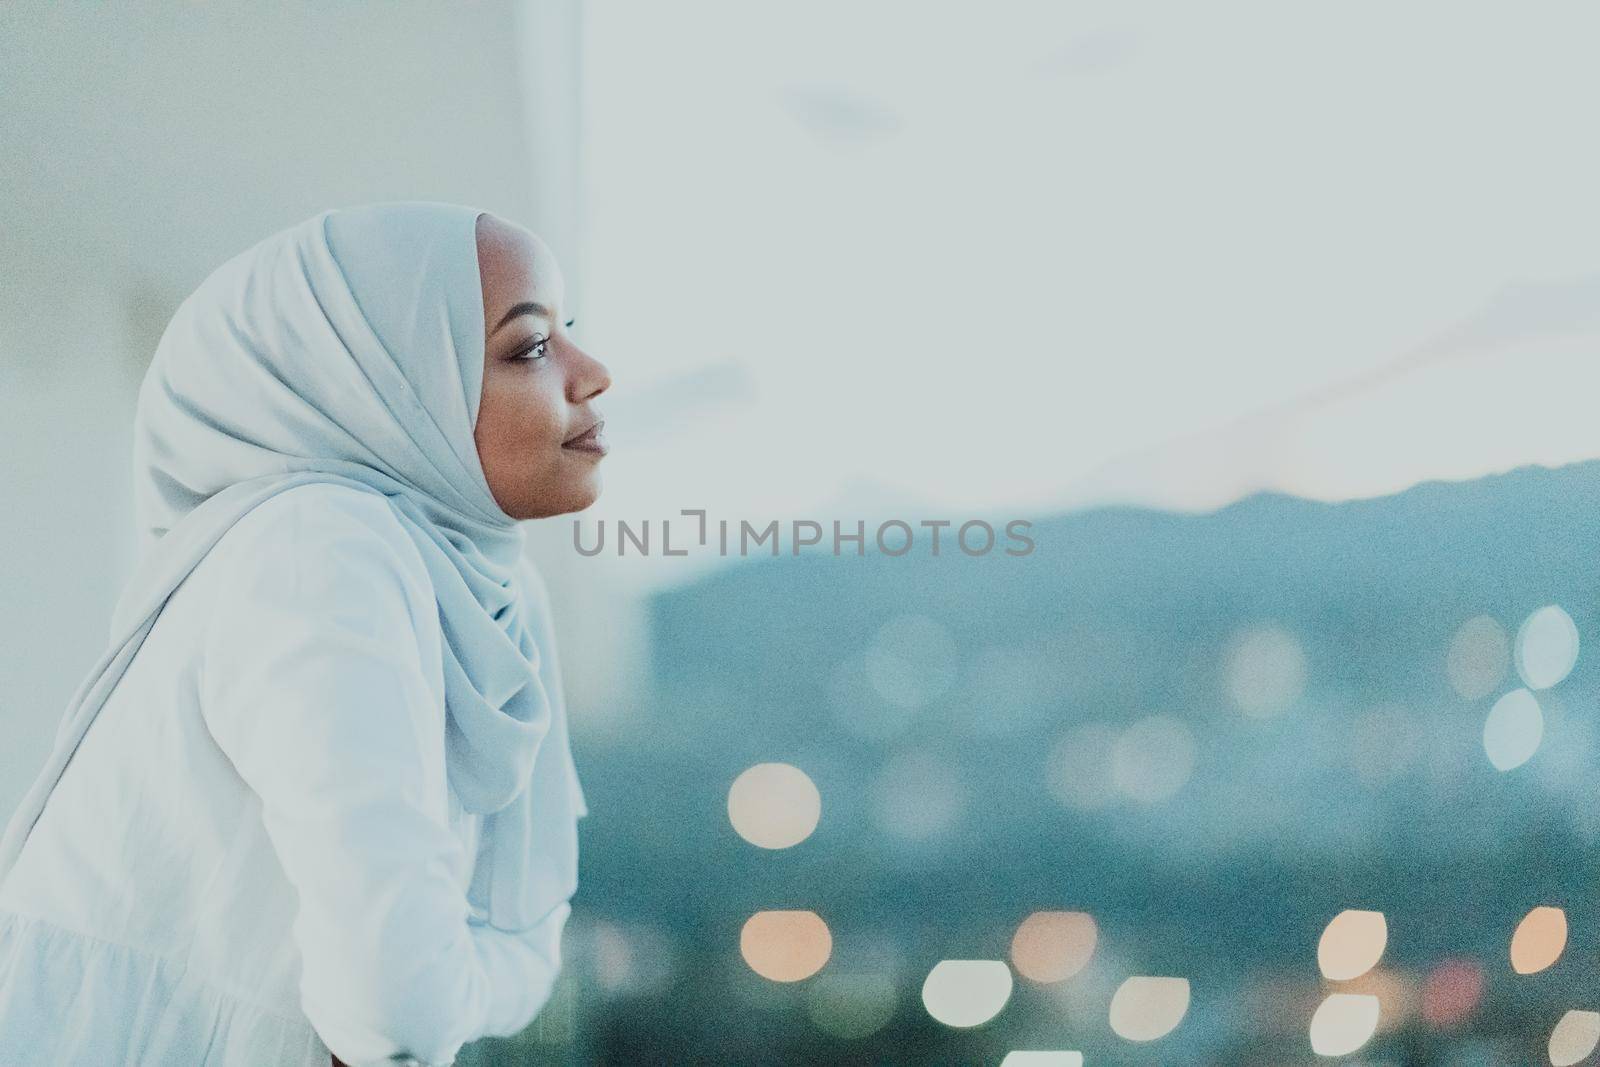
(1546, 647)
(911, 661)
(1343, 1023)
(1513, 730)
(1078, 767)
(1352, 944)
(629, 959)
(1478, 657)
(1146, 1008)
(774, 805)
(857, 706)
(1266, 671)
(966, 993)
(1575, 1036)
(1033, 1058)
(1153, 759)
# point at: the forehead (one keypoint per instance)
(515, 265)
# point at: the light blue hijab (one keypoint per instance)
(349, 348)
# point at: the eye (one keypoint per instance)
(535, 349)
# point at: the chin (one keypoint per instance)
(574, 497)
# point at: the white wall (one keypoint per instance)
(139, 148)
(64, 421)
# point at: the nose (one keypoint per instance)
(590, 378)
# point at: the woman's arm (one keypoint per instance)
(522, 969)
(313, 684)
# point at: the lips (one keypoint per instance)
(589, 440)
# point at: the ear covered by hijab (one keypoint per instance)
(349, 349)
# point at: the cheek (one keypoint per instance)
(519, 426)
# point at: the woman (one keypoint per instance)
(316, 802)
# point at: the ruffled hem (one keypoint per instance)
(66, 997)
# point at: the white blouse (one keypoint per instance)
(255, 856)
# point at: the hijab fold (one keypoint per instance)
(349, 349)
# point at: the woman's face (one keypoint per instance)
(537, 384)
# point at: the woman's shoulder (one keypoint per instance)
(344, 536)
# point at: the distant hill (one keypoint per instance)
(1118, 615)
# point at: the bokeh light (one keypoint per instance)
(1266, 671)
(1397, 991)
(774, 805)
(917, 796)
(1078, 770)
(613, 956)
(851, 1006)
(1546, 647)
(631, 959)
(1513, 730)
(785, 946)
(1352, 944)
(966, 992)
(1452, 993)
(1145, 1008)
(1051, 946)
(1480, 653)
(1540, 939)
(1343, 1023)
(911, 661)
(1574, 1038)
(1153, 759)
(1006, 690)
(1209, 716)
(1042, 1059)
(857, 706)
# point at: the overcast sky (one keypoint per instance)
(1010, 257)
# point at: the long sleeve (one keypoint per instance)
(522, 969)
(318, 683)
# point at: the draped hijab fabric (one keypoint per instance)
(349, 349)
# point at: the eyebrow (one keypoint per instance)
(527, 307)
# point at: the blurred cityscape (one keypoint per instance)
(1139, 773)
(1301, 780)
